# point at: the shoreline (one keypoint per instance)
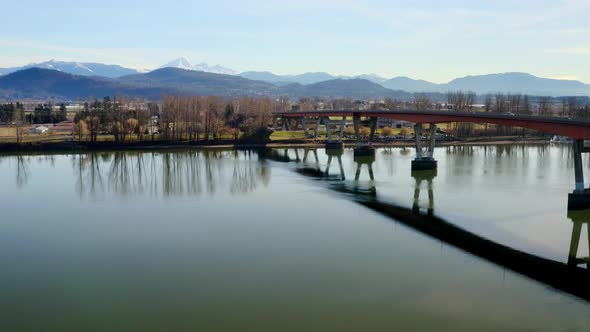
(75, 146)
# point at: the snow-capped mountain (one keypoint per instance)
(183, 63)
(76, 68)
(371, 77)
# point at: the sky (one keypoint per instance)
(430, 39)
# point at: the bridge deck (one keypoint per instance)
(561, 126)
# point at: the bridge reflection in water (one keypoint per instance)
(579, 218)
(570, 277)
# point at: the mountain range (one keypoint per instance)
(77, 68)
(183, 63)
(180, 76)
(38, 83)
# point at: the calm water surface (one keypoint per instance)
(231, 241)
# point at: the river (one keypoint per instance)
(228, 240)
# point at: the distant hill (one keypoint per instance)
(198, 82)
(481, 84)
(519, 83)
(372, 77)
(412, 85)
(40, 83)
(306, 78)
(37, 83)
(183, 63)
(343, 88)
(76, 68)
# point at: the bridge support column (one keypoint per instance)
(331, 144)
(356, 120)
(275, 124)
(304, 125)
(373, 129)
(342, 126)
(338, 154)
(579, 219)
(317, 127)
(366, 149)
(580, 198)
(362, 160)
(422, 161)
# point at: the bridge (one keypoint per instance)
(576, 129)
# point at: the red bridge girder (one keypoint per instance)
(560, 126)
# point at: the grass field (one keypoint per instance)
(8, 135)
(7, 132)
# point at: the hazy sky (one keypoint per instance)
(430, 39)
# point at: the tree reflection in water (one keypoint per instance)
(169, 173)
(89, 179)
(22, 170)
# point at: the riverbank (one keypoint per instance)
(77, 146)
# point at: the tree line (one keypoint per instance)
(203, 118)
(42, 113)
(177, 119)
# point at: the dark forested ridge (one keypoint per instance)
(200, 83)
(37, 83)
(343, 88)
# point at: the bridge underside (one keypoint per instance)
(579, 130)
(552, 125)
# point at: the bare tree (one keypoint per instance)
(544, 105)
(19, 117)
(489, 103)
(422, 102)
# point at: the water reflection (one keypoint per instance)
(364, 160)
(22, 170)
(420, 177)
(306, 153)
(175, 173)
(338, 154)
(579, 218)
(568, 277)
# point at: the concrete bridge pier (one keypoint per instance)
(338, 154)
(364, 160)
(305, 127)
(580, 198)
(275, 124)
(331, 144)
(364, 148)
(317, 127)
(579, 219)
(424, 160)
(306, 131)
